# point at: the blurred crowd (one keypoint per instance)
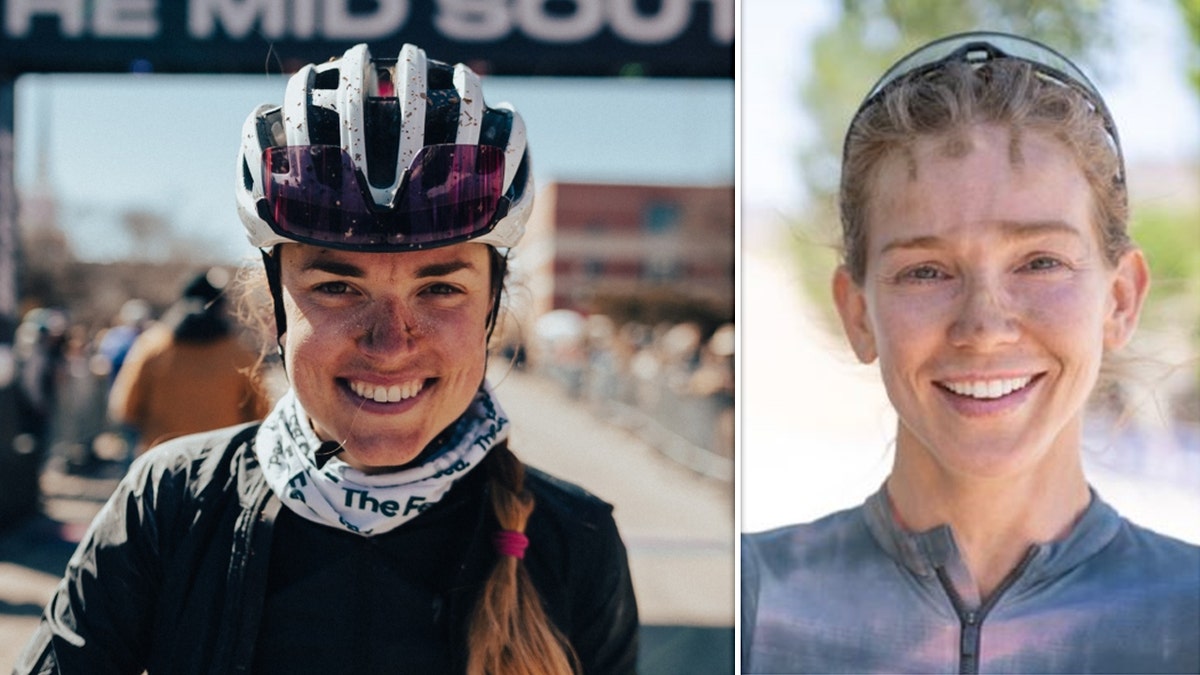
(672, 383)
(90, 397)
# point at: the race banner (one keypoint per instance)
(657, 38)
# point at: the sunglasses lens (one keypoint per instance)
(453, 193)
(449, 193)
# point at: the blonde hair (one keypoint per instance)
(1007, 92)
(509, 632)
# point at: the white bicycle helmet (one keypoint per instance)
(384, 155)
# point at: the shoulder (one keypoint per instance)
(566, 503)
(188, 448)
(1155, 555)
(831, 541)
(196, 460)
(176, 489)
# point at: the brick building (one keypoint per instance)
(653, 250)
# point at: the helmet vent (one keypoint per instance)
(441, 116)
(440, 75)
(326, 79)
(323, 126)
(383, 140)
(247, 177)
(497, 127)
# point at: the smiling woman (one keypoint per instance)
(389, 348)
(376, 520)
(988, 270)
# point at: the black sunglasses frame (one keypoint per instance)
(979, 48)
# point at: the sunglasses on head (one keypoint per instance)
(977, 49)
(449, 193)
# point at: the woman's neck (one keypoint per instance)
(995, 519)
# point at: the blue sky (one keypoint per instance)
(167, 143)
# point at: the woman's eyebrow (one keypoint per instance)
(1038, 228)
(335, 267)
(442, 269)
(922, 241)
(346, 269)
(1012, 230)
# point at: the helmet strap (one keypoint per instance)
(274, 281)
(499, 271)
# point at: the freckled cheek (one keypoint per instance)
(458, 334)
(904, 329)
(1065, 310)
(313, 339)
(1067, 322)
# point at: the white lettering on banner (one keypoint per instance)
(237, 17)
(100, 18)
(475, 20)
(18, 15)
(304, 19)
(545, 21)
(722, 26)
(490, 20)
(586, 21)
(634, 26)
(389, 17)
(125, 18)
(241, 17)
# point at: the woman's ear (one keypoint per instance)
(852, 308)
(1130, 283)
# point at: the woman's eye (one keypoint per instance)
(1042, 263)
(922, 273)
(333, 288)
(441, 289)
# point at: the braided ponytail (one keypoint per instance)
(509, 633)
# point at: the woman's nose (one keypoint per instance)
(389, 326)
(985, 316)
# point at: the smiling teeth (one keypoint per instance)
(988, 388)
(392, 394)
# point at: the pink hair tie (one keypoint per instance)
(511, 543)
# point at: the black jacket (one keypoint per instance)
(172, 575)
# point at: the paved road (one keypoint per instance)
(678, 527)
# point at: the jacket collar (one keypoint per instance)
(923, 552)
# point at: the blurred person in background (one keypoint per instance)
(133, 318)
(988, 268)
(112, 347)
(189, 373)
(39, 348)
(80, 416)
(376, 520)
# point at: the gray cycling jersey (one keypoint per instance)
(853, 592)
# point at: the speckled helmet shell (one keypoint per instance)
(337, 103)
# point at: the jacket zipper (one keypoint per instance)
(971, 620)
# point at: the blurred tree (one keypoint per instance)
(157, 238)
(150, 232)
(44, 278)
(1190, 9)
